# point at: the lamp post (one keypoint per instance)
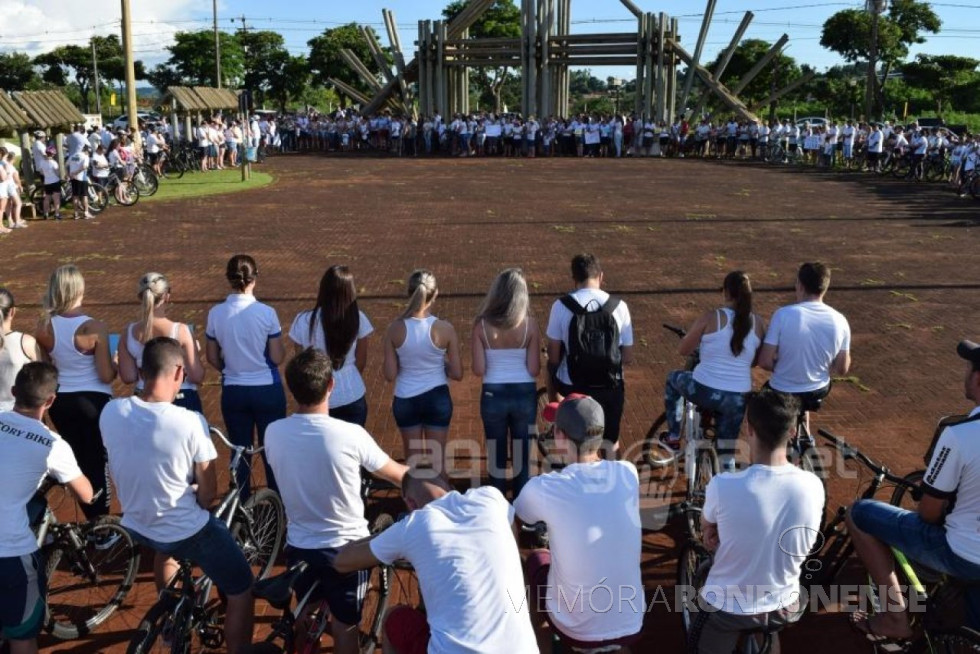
(615, 86)
(875, 8)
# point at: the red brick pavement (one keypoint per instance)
(666, 232)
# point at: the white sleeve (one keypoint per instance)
(625, 325)
(710, 509)
(61, 462)
(202, 449)
(299, 331)
(389, 545)
(364, 328)
(775, 326)
(371, 455)
(944, 471)
(209, 330)
(846, 342)
(275, 329)
(555, 331)
(528, 504)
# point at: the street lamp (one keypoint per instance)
(615, 86)
(875, 8)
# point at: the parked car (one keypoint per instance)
(815, 121)
(146, 117)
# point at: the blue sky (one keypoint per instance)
(36, 25)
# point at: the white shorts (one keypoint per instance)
(4, 190)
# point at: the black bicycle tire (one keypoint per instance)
(151, 626)
(373, 613)
(37, 199)
(100, 201)
(133, 194)
(689, 571)
(652, 445)
(705, 459)
(900, 492)
(67, 630)
(264, 555)
(902, 169)
(151, 180)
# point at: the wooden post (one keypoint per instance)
(442, 104)
(130, 70)
(641, 56)
(725, 60)
(532, 57)
(709, 12)
(420, 56)
(762, 63)
(672, 74)
(661, 76)
(651, 24)
(188, 134)
(464, 84)
(173, 118)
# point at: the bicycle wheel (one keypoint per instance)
(146, 180)
(902, 168)
(85, 586)
(171, 169)
(37, 199)
(156, 629)
(375, 596)
(706, 467)
(692, 571)
(655, 452)
(947, 641)
(905, 498)
(259, 529)
(126, 193)
(98, 199)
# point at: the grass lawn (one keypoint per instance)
(216, 182)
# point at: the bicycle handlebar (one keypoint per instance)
(680, 331)
(848, 451)
(214, 431)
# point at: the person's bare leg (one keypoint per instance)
(435, 441)
(56, 198)
(413, 445)
(877, 557)
(164, 569)
(238, 621)
(346, 638)
(23, 646)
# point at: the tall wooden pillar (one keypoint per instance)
(661, 108)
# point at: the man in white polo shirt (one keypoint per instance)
(162, 463)
(807, 342)
(317, 460)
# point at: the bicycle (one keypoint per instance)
(145, 179)
(184, 610)
(97, 198)
(697, 436)
(121, 191)
(90, 567)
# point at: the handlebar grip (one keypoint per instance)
(680, 331)
(830, 437)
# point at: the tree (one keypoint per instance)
(69, 64)
(192, 59)
(288, 78)
(501, 20)
(16, 71)
(325, 60)
(940, 75)
(780, 72)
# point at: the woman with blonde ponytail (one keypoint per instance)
(421, 353)
(154, 296)
(78, 346)
(729, 340)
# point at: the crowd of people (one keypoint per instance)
(153, 448)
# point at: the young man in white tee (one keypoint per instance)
(464, 554)
(591, 509)
(317, 460)
(162, 463)
(756, 521)
(29, 452)
(936, 536)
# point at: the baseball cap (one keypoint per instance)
(577, 415)
(39, 134)
(969, 351)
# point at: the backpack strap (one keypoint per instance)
(572, 305)
(611, 305)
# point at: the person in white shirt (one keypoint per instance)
(78, 165)
(848, 135)
(589, 297)
(807, 342)
(163, 465)
(343, 336)
(244, 343)
(315, 457)
(592, 513)
(29, 452)
(38, 149)
(51, 173)
(876, 144)
(758, 522)
(463, 551)
(941, 534)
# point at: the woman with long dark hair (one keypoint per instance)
(507, 354)
(338, 327)
(245, 345)
(729, 338)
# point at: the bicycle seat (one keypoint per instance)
(810, 404)
(278, 590)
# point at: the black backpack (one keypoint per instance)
(593, 355)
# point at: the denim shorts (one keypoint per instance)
(214, 550)
(344, 593)
(433, 409)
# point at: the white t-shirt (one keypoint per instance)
(100, 166)
(809, 336)
(29, 451)
(75, 142)
(592, 512)
(49, 168)
(955, 466)
(78, 166)
(768, 520)
(348, 385)
(317, 461)
(592, 299)
(242, 326)
(152, 448)
(469, 571)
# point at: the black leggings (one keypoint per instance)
(76, 418)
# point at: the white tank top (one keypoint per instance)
(135, 349)
(719, 368)
(506, 365)
(12, 359)
(76, 371)
(421, 365)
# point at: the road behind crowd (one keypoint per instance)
(666, 233)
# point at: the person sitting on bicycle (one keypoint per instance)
(162, 462)
(317, 460)
(29, 452)
(469, 570)
(808, 341)
(728, 339)
(758, 521)
(591, 509)
(945, 543)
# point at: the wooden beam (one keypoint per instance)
(709, 13)
(783, 91)
(762, 63)
(633, 9)
(716, 87)
(362, 71)
(726, 58)
(349, 91)
(377, 53)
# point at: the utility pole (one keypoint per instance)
(127, 42)
(243, 109)
(217, 45)
(95, 80)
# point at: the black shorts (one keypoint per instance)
(50, 189)
(344, 593)
(648, 141)
(79, 188)
(663, 141)
(152, 157)
(22, 601)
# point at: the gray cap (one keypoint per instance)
(581, 419)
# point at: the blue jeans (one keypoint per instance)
(508, 408)
(728, 407)
(214, 550)
(355, 412)
(921, 542)
(247, 409)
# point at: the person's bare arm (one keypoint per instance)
(212, 351)
(31, 348)
(277, 350)
(478, 351)
(554, 360)
(692, 339)
(361, 354)
(128, 371)
(207, 483)
(82, 489)
(192, 356)
(103, 357)
(454, 359)
(932, 509)
(768, 355)
(356, 555)
(710, 532)
(390, 366)
(391, 472)
(841, 363)
(533, 348)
